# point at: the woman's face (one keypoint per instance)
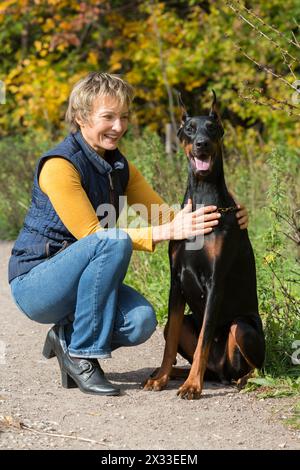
(106, 125)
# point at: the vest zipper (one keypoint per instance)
(111, 190)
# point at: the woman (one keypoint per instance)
(66, 267)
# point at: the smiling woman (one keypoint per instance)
(106, 125)
(68, 265)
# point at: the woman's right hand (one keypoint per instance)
(188, 224)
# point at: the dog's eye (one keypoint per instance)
(190, 129)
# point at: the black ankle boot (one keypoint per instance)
(77, 372)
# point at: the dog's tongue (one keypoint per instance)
(201, 165)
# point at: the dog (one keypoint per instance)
(223, 336)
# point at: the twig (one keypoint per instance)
(65, 436)
(259, 90)
(269, 105)
(298, 44)
(10, 422)
(264, 67)
(284, 289)
(284, 51)
(288, 65)
(251, 13)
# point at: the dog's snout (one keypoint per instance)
(202, 144)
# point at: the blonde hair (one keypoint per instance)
(95, 85)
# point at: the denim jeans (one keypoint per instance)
(81, 288)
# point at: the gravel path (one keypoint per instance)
(36, 413)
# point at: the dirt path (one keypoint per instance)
(30, 393)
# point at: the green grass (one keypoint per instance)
(267, 386)
(294, 419)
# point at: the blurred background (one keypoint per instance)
(248, 52)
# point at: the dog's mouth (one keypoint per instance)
(200, 163)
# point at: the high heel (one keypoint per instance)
(48, 352)
(66, 380)
(84, 373)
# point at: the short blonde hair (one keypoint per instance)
(95, 85)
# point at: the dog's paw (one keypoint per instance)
(242, 382)
(190, 391)
(155, 385)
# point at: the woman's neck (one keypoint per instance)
(99, 151)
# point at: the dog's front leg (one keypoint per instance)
(175, 318)
(192, 387)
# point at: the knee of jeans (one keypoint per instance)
(118, 241)
(144, 325)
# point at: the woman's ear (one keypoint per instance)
(79, 122)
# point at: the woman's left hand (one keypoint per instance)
(242, 216)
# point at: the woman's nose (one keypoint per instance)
(117, 125)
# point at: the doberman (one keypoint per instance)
(223, 336)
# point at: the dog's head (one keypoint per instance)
(201, 138)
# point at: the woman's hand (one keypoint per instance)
(242, 216)
(187, 224)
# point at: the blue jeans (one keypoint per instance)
(82, 289)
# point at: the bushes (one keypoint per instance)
(270, 188)
(18, 155)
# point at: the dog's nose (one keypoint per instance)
(202, 144)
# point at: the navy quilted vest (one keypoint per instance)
(43, 233)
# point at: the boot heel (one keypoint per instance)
(67, 381)
(48, 350)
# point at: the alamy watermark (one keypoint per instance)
(138, 216)
(296, 354)
(2, 92)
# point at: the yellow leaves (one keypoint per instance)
(116, 66)
(38, 45)
(39, 92)
(116, 61)
(92, 58)
(195, 83)
(49, 25)
(269, 258)
(12, 89)
(5, 5)
(53, 2)
(61, 47)
(19, 113)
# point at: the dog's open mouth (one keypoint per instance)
(201, 162)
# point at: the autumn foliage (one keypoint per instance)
(186, 46)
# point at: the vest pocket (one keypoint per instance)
(53, 248)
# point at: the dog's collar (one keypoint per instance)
(224, 210)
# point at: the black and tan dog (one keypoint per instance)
(223, 336)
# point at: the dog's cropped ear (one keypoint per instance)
(214, 110)
(184, 114)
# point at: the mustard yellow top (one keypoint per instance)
(60, 181)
